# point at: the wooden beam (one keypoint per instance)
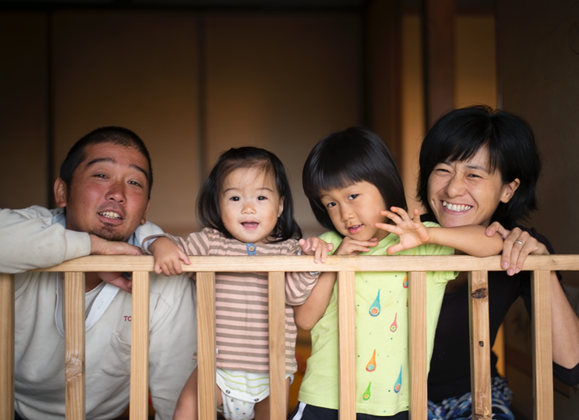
(347, 344)
(7, 346)
(140, 347)
(277, 395)
(74, 365)
(206, 345)
(438, 58)
(542, 345)
(480, 345)
(418, 345)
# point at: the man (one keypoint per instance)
(102, 196)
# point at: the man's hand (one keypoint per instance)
(117, 279)
(100, 246)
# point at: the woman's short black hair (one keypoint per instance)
(208, 210)
(344, 158)
(460, 134)
(115, 135)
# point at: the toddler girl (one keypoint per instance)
(246, 206)
(350, 179)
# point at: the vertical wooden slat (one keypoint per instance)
(480, 345)
(206, 345)
(277, 400)
(347, 343)
(74, 316)
(542, 346)
(140, 347)
(418, 368)
(7, 346)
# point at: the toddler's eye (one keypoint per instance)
(352, 196)
(262, 197)
(234, 198)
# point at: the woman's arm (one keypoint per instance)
(469, 239)
(564, 320)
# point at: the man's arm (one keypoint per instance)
(29, 239)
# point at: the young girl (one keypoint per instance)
(349, 179)
(246, 206)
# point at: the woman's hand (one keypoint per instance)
(410, 230)
(517, 245)
(316, 247)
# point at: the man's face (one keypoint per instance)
(108, 195)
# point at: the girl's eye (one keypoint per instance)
(330, 204)
(262, 197)
(352, 196)
(234, 198)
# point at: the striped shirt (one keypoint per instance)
(241, 319)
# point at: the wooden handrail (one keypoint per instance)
(276, 266)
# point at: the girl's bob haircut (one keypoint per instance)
(208, 210)
(460, 134)
(344, 158)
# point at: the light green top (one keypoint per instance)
(382, 365)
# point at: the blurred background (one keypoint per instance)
(195, 77)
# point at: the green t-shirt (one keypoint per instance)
(382, 365)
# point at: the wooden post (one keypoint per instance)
(206, 345)
(140, 347)
(542, 345)
(277, 400)
(7, 346)
(480, 345)
(418, 367)
(347, 343)
(74, 326)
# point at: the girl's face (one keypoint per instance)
(250, 204)
(355, 209)
(467, 193)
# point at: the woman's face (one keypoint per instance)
(467, 193)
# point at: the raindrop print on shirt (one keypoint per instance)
(375, 307)
(398, 384)
(367, 394)
(394, 325)
(371, 366)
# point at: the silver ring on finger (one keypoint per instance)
(519, 242)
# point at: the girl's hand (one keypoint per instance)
(316, 246)
(517, 245)
(411, 231)
(168, 257)
(353, 247)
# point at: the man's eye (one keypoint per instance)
(99, 176)
(136, 183)
(352, 196)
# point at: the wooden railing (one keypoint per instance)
(276, 266)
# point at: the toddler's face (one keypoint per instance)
(355, 209)
(250, 204)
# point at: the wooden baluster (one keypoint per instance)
(480, 345)
(139, 399)
(542, 345)
(74, 326)
(418, 368)
(7, 346)
(206, 345)
(347, 343)
(277, 400)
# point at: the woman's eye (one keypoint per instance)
(352, 196)
(474, 176)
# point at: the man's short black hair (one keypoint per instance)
(115, 135)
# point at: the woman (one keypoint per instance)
(481, 167)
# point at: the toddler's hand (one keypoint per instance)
(411, 231)
(354, 247)
(316, 247)
(168, 257)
